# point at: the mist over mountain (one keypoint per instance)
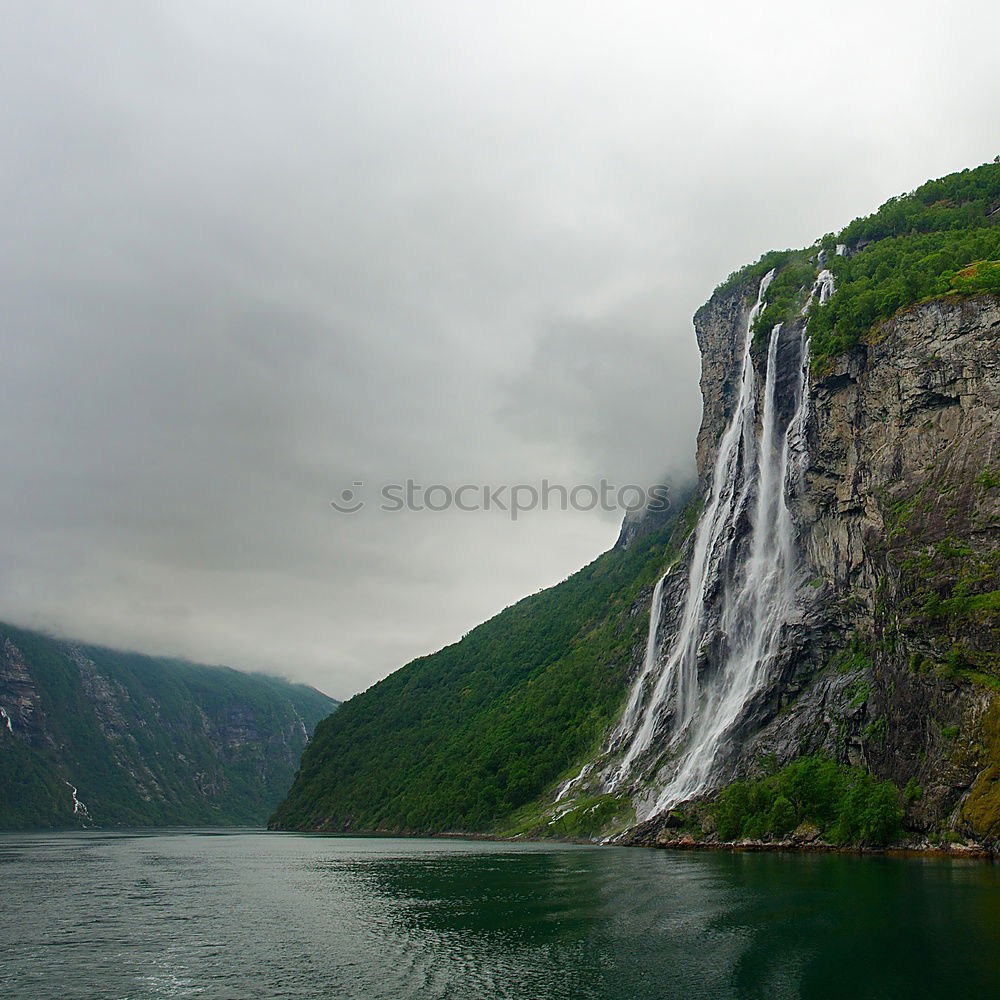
(96, 737)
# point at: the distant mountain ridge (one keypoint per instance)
(99, 737)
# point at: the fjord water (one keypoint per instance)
(281, 915)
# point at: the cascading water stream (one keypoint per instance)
(740, 588)
(79, 809)
(630, 715)
(677, 683)
(758, 600)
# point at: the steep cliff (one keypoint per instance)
(97, 737)
(890, 664)
(900, 527)
(893, 666)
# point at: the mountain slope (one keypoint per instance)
(464, 737)
(145, 741)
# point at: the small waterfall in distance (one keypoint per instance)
(740, 593)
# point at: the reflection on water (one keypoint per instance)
(275, 915)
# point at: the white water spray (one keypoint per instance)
(740, 588)
(79, 809)
(676, 684)
(629, 716)
(628, 720)
(824, 284)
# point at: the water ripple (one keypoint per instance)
(137, 917)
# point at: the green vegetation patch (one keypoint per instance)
(593, 816)
(942, 239)
(981, 809)
(989, 479)
(949, 575)
(853, 656)
(847, 805)
(977, 607)
(786, 295)
(982, 277)
(33, 795)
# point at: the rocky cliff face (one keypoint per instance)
(894, 663)
(92, 736)
(19, 702)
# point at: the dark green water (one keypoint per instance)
(272, 915)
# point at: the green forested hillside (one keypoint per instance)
(941, 239)
(914, 247)
(461, 738)
(146, 741)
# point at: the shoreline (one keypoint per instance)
(912, 849)
(975, 850)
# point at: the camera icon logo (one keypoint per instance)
(349, 502)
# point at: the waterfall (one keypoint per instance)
(629, 716)
(824, 283)
(758, 600)
(628, 719)
(676, 686)
(742, 577)
(79, 809)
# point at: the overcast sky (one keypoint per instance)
(257, 252)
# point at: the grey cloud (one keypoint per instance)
(255, 252)
(617, 393)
